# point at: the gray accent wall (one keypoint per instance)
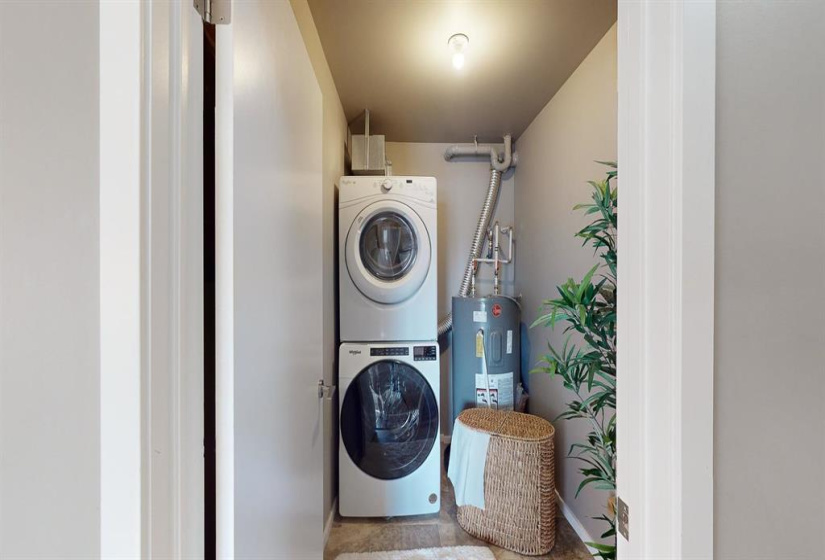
(769, 444)
(49, 280)
(557, 156)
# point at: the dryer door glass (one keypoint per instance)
(388, 245)
(389, 420)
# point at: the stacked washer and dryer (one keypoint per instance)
(389, 375)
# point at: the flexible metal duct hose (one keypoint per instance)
(478, 242)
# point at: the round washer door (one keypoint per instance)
(388, 252)
(389, 420)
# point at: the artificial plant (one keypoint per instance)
(586, 361)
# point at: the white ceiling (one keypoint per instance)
(391, 56)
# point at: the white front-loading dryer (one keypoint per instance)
(388, 282)
(389, 455)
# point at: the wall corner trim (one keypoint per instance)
(667, 155)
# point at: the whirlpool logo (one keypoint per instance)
(354, 352)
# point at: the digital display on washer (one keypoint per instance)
(390, 351)
(425, 353)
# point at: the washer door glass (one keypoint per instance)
(388, 246)
(389, 420)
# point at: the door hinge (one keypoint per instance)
(216, 12)
(624, 520)
(324, 390)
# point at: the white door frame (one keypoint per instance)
(175, 281)
(224, 297)
(667, 95)
(151, 206)
(173, 453)
(665, 393)
(120, 279)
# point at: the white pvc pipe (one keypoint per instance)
(498, 160)
(498, 166)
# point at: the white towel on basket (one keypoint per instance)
(468, 455)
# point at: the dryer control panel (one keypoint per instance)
(422, 189)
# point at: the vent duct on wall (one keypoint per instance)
(368, 155)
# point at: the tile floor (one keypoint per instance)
(442, 529)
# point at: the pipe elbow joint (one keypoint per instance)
(504, 164)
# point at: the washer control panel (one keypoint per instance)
(425, 353)
(390, 351)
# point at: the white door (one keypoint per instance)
(269, 287)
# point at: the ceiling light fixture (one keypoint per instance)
(458, 44)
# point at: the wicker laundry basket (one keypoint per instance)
(519, 486)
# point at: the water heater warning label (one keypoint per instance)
(479, 316)
(496, 392)
(509, 342)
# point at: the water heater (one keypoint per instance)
(486, 331)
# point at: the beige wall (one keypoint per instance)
(462, 186)
(769, 447)
(556, 159)
(49, 281)
(335, 139)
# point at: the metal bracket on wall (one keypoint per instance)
(216, 12)
(624, 520)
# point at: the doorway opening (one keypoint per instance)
(209, 43)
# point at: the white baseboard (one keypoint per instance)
(330, 519)
(574, 521)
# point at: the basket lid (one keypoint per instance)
(507, 424)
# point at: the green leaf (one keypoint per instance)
(601, 547)
(585, 482)
(586, 282)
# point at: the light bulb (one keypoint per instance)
(458, 61)
(458, 44)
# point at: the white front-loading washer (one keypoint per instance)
(388, 282)
(389, 456)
